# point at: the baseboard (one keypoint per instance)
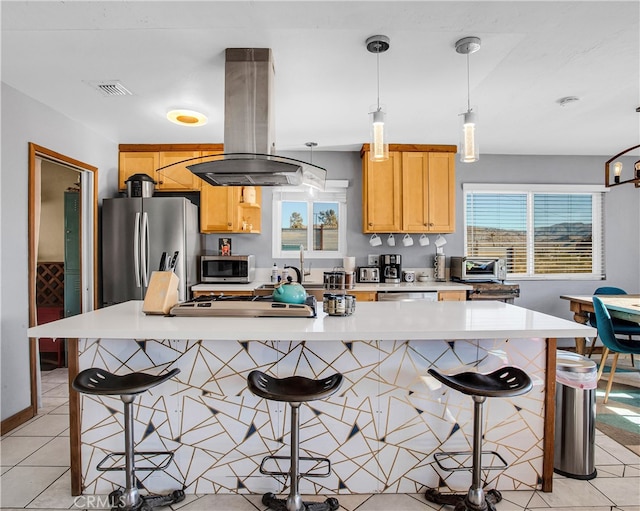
(16, 420)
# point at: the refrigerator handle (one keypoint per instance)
(145, 248)
(136, 249)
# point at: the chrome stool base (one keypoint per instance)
(462, 502)
(273, 502)
(143, 502)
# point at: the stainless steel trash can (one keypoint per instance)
(575, 426)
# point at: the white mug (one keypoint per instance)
(423, 240)
(440, 241)
(391, 240)
(375, 240)
(407, 241)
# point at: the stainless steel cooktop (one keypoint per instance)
(245, 306)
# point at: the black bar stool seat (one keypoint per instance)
(294, 390)
(507, 381)
(99, 382)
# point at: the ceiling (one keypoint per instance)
(170, 54)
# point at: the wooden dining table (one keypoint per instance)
(619, 306)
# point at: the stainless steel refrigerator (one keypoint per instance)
(136, 232)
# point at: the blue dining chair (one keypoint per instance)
(621, 326)
(613, 344)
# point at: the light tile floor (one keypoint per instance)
(34, 474)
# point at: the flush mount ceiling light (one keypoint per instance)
(379, 138)
(469, 151)
(187, 117)
(618, 167)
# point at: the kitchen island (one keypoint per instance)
(380, 431)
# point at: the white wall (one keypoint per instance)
(25, 120)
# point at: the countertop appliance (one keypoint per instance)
(369, 274)
(137, 235)
(140, 185)
(234, 269)
(391, 268)
(245, 306)
(478, 269)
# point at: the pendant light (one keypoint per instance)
(379, 150)
(469, 151)
(616, 166)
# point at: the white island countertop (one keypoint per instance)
(371, 321)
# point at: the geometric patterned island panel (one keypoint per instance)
(380, 431)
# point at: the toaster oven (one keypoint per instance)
(478, 269)
(231, 269)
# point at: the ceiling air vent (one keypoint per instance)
(111, 88)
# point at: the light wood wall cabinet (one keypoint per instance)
(412, 192)
(148, 158)
(222, 208)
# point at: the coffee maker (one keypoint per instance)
(391, 268)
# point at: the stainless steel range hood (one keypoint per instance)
(249, 146)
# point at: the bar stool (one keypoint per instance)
(505, 382)
(100, 382)
(294, 390)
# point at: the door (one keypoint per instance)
(72, 279)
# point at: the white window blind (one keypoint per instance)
(542, 231)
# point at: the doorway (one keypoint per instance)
(62, 252)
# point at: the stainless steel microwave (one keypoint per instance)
(478, 269)
(232, 269)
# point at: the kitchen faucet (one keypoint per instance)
(300, 273)
(304, 273)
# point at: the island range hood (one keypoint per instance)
(250, 158)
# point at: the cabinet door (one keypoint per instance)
(381, 207)
(177, 177)
(415, 190)
(441, 200)
(137, 163)
(428, 192)
(452, 296)
(218, 208)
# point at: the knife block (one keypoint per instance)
(162, 293)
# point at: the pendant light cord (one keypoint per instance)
(378, 72)
(468, 85)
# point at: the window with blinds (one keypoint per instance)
(542, 231)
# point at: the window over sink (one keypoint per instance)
(542, 231)
(317, 221)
